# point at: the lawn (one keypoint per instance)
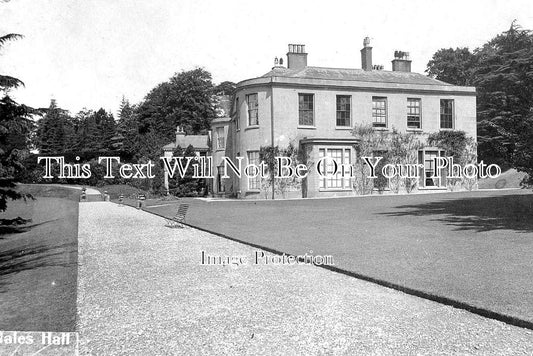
(39, 265)
(473, 247)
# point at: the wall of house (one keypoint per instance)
(227, 184)
(286, 112)
(251, 138)
(287, 129)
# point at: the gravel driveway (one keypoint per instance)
(142, 290)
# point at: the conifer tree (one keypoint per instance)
(15, 129)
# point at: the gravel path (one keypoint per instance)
(143, 291)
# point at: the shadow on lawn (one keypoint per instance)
(8, 229)
(31, 257)
(513, 212)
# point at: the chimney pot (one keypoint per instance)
(401, 62)
(366, 55)
(296, 57)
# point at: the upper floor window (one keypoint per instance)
(446, 113)
(251, 101)
(379, 112)
(414, 119)
(236, 113)
(306, 109)
(221, 138)
(344, 110)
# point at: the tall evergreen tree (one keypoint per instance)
(126, 129)
(15, 129)
(54, 130)
(502, 72)
(504, 80)
(106, 130)
(87, 131)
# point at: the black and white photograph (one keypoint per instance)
(198, 177)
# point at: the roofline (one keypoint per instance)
(316, 83)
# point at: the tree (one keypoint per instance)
(186, 186)
(504, 80)
(274, 184)
(502, 72)
(55, 128)
(453, 66)
(7, 82)
(523, 157)
(184, 100)
(126, 129)
(15, 129)
(89, 132)
(463, 150)
(105, 124)
(225, 88)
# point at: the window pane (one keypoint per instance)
(251, 101)
(254, 182)
(305, 109)
(340, 156)
(343, 110)
(446, 114)
(413, 114)
(221, 139)
(379, 112)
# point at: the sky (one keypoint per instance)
(90, 53)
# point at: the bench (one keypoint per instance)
(178, 219)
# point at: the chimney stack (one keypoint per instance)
(401, 62)
(296, 57)
(366, 55)
(179, 132)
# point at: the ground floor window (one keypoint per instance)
(220, 181)
(254, 183)
(427, 158)
(342, 156)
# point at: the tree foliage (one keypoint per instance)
(54, 129)
(504, 78)
(454, 66)
(394, 147)
(502, 72)
(184, 100)
(187, 99)
(186, 186)
(225, 88)
(89, 133)
(463, 150)
(15, 130)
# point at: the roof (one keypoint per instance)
(359, 75)
(198, 142)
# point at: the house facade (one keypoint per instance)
(317, 108)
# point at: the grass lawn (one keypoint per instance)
(39, 266)
(473, 247)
